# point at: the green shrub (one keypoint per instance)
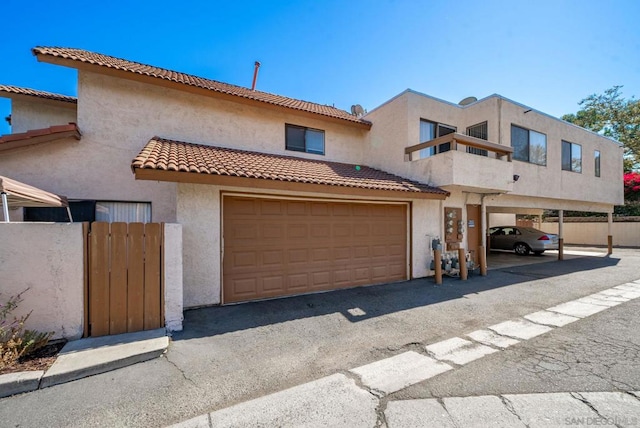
(15, 341)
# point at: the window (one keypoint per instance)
(430, 130)
(128, 212)
(571, 157)
(529, 146)
(596, 158)
(478, 131)
(301, 139)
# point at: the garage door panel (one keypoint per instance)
(273, 283)
(298, 281)
(297, 208)
(282, 247)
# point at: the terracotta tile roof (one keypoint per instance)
(36, 136)
(169, 155)
(15, 90)
(190, 80)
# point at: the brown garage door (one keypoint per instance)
(276, 247)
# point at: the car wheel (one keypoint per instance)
(521, 249)
(538, 253)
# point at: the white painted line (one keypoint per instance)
(397, 372)
(520, 329)
(633, 285)
(577, 309)
(628, 294)
(628, 287)
(550, 318)
(602, 296)
(484, 411)
(614, 292)
(488, 337)
(595, 301)
(417, 414)
(459, 351)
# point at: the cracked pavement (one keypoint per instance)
(229, 355)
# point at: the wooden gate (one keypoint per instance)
(125, 278)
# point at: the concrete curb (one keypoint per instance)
(17, 383)
(88, 357)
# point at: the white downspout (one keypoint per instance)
(5, 207)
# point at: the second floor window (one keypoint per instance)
(571, 157)
(529, 146)
(430, 130)
(301, 139)
(478, 131)
(596, 158)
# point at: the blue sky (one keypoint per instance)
(546, 54)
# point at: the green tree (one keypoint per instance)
(615, 117)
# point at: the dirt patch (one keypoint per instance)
(42, 359)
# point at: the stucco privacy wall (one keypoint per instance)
(38, 114)
(46, 259)
(199, 212)
(173, 274)
(625, 234)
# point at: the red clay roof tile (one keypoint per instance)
(36, 136)
(15, 90)
(88, 57)
(169, 155)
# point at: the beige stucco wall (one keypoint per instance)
(46, 259)
(199, 212)
(37, 114)
(625, 234)
(118, 117)
(397, 125)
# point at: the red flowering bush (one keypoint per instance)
(632, 186)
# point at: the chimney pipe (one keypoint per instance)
(255, 76)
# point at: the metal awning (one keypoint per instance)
(17, 194)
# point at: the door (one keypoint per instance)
(474, 231)
(281, 247)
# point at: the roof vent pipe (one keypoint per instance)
(255, 76)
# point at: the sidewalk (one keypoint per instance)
(336, 401)
(88, 357)
(360, 397)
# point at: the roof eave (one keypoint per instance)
(158, 81)
(259, 183)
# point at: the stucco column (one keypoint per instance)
(560, 235)
(610, 233)
(5, 207)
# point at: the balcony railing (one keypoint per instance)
(456, 139)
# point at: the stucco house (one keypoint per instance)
(278, 196)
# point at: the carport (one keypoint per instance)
(495, 206)
(17, 194)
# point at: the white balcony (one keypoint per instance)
(457, 168)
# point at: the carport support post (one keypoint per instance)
(462, 261)
(610, 233)
(5, 207)
(437, 263)
(560, 235)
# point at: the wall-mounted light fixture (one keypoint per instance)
(516, 177)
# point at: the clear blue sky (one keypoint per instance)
(546, 54)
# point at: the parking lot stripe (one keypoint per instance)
(397, 372)
(459, 351)
(550, 318)
(577, 309)
(520, 329)
(488, 337)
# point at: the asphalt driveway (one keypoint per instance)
(231, 354)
